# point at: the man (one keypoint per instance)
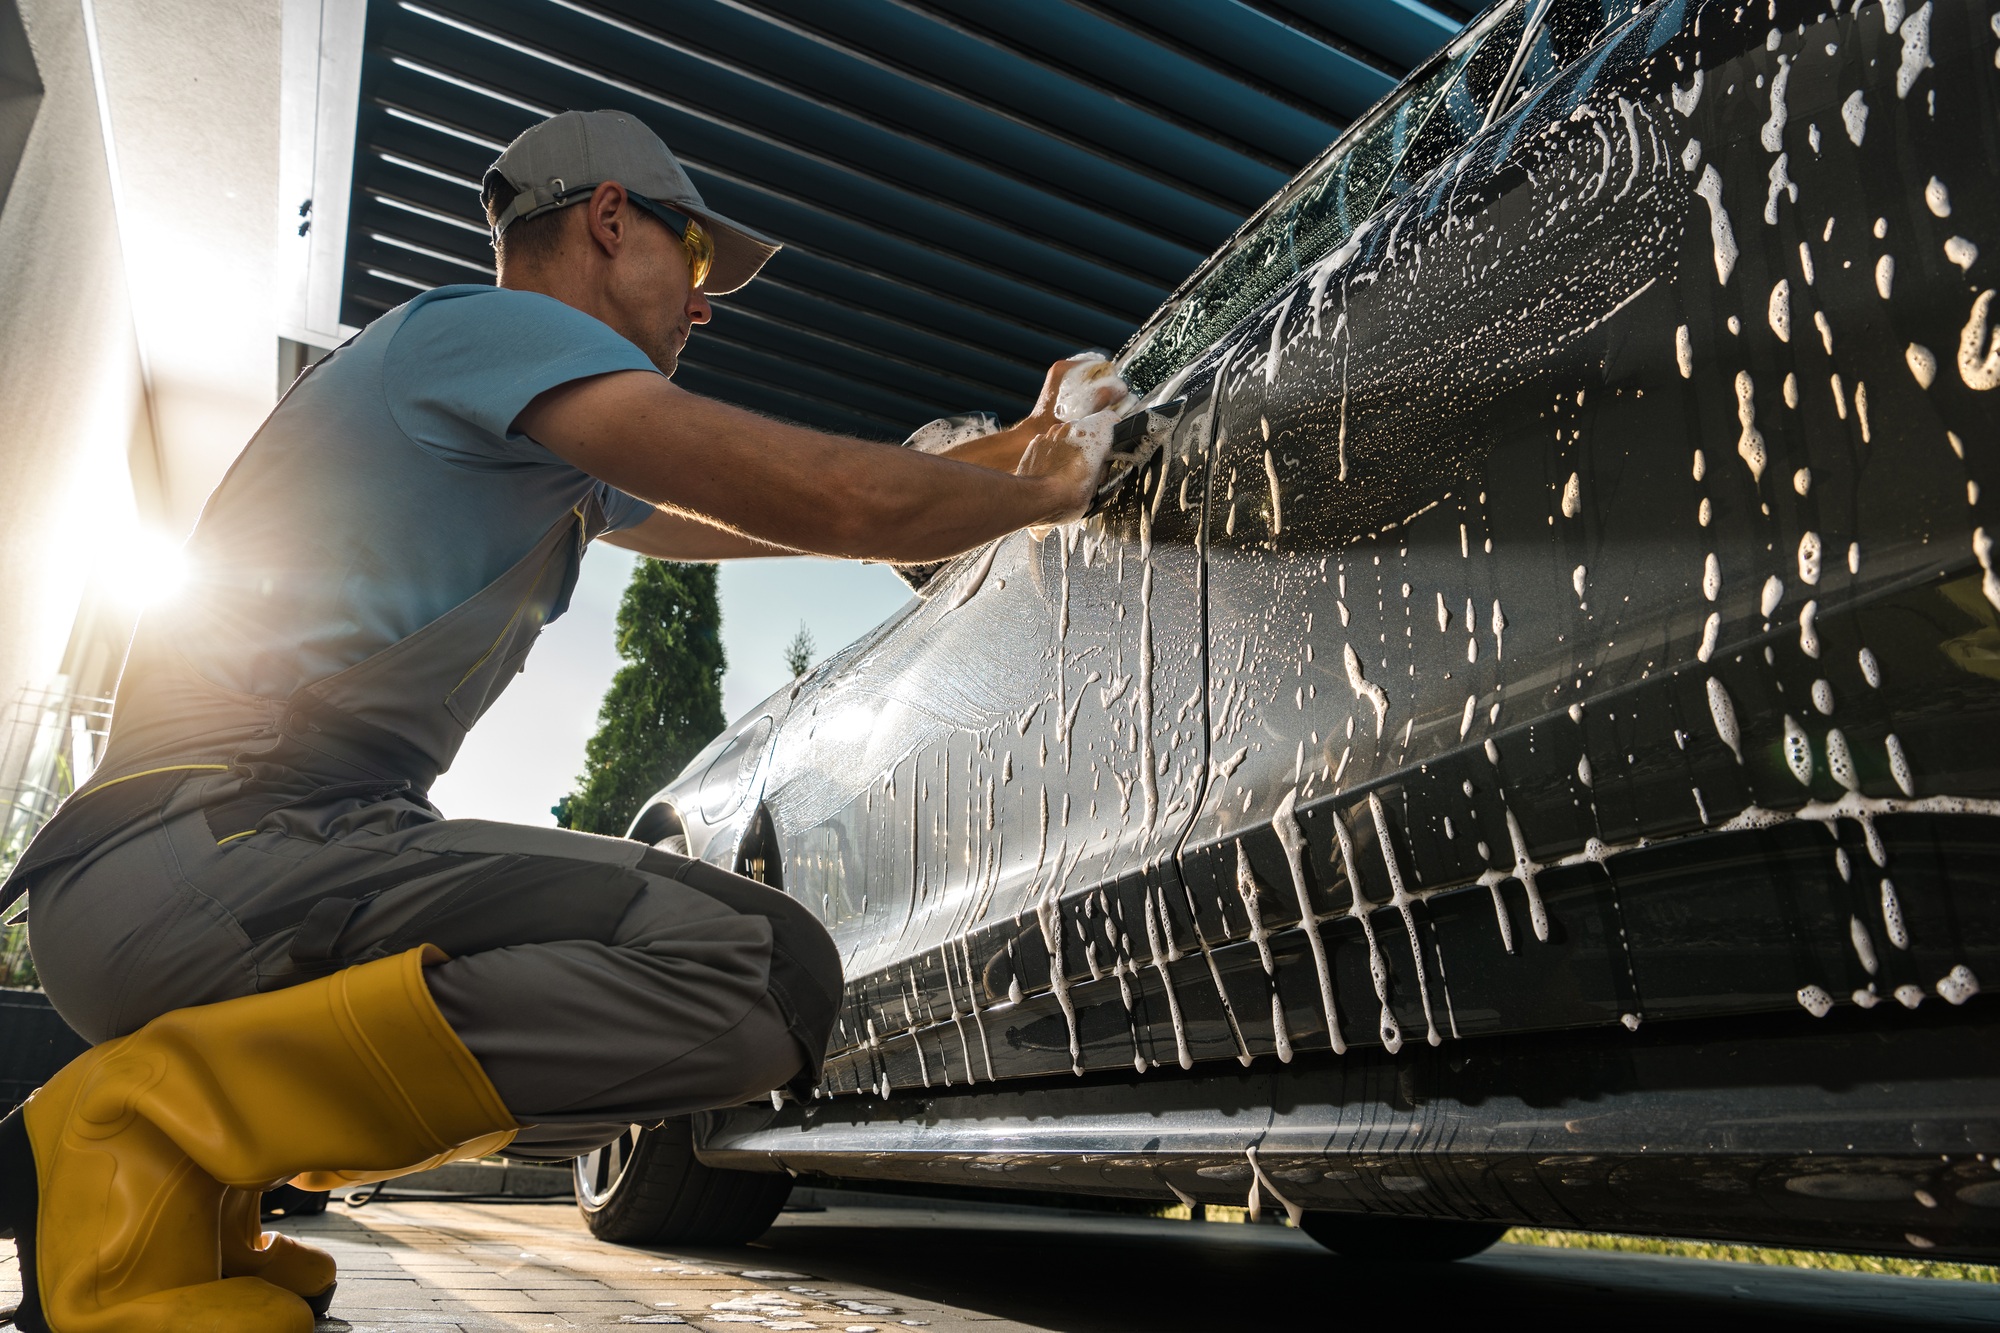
(294, 965)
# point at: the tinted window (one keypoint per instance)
(1570, 28)
(1423, 123)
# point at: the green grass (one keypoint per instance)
(1689, 1249)
(1756, 1254)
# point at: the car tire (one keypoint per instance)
(649, 1188)
(1410, 1240)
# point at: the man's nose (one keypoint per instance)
(698, 307)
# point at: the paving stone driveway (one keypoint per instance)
(445, 1267)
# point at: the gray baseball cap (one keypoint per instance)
(562, 159)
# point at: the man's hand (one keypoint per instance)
(796, 488)
(1071, 455)
(1072, 390)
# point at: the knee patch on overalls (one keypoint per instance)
(805, 964)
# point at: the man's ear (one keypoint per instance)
(608, 216)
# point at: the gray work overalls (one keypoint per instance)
(232, 843)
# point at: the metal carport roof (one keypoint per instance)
(967, 189)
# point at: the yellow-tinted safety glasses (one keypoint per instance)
(700, 246)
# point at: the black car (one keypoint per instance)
(1522, 744)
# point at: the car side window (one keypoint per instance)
(1566, 31)
(1433, 115)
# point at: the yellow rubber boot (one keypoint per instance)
(128, 1148)
(116, 1228)
(465, 1152)
(250, 1251)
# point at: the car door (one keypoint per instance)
(983, 799)
(1534, 508)
(1359, 629)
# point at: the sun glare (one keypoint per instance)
(142, 567)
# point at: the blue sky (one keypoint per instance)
(526, 752)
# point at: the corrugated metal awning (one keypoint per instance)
(967, 190)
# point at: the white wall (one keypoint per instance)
(138, 313)
(193, 94)
(72, 407)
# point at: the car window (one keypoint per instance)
(1434, 113)
(1570, 28)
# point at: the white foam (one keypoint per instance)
(1822, 696)
(1722, 711)
(1711, 577)
(1825, 337)
(1958, 985)
(1277, 498)
(1777, 184)
(1572, 496)
(1721, 235)
(1809, 629)
(1576, 580)
(1791, 392)
(1772, 136)
(1871, 671)
(1909, 996)
(1961, 252)
(1802, 480)
(1499, 630)
(1082, 385)
(1750, 443)
(1809, 557)
(1364, 689)
(1774, 593)
(1937, 198)
(1779, 310)
(1854, 114)
(1798, 751)
(1899, 764)
(1982, 547)
(1465, 720)
(1892, 916)
(1864, 947)
(1709, 632)
(1840, 760)
(1806, 263)
(1979, 347)
(1684, 102)
(1922, 363)
(1816, 1001)
(1684, 352)
(1885, 275)
(1916, 32)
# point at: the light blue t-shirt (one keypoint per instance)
(390, 486)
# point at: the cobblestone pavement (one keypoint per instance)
(443, 1267)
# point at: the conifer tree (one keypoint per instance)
(664, 704)
(799, 652)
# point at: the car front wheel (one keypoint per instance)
(647, 1187)
(1421, 1240)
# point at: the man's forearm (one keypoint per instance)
(665, 535)
(786, 485)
